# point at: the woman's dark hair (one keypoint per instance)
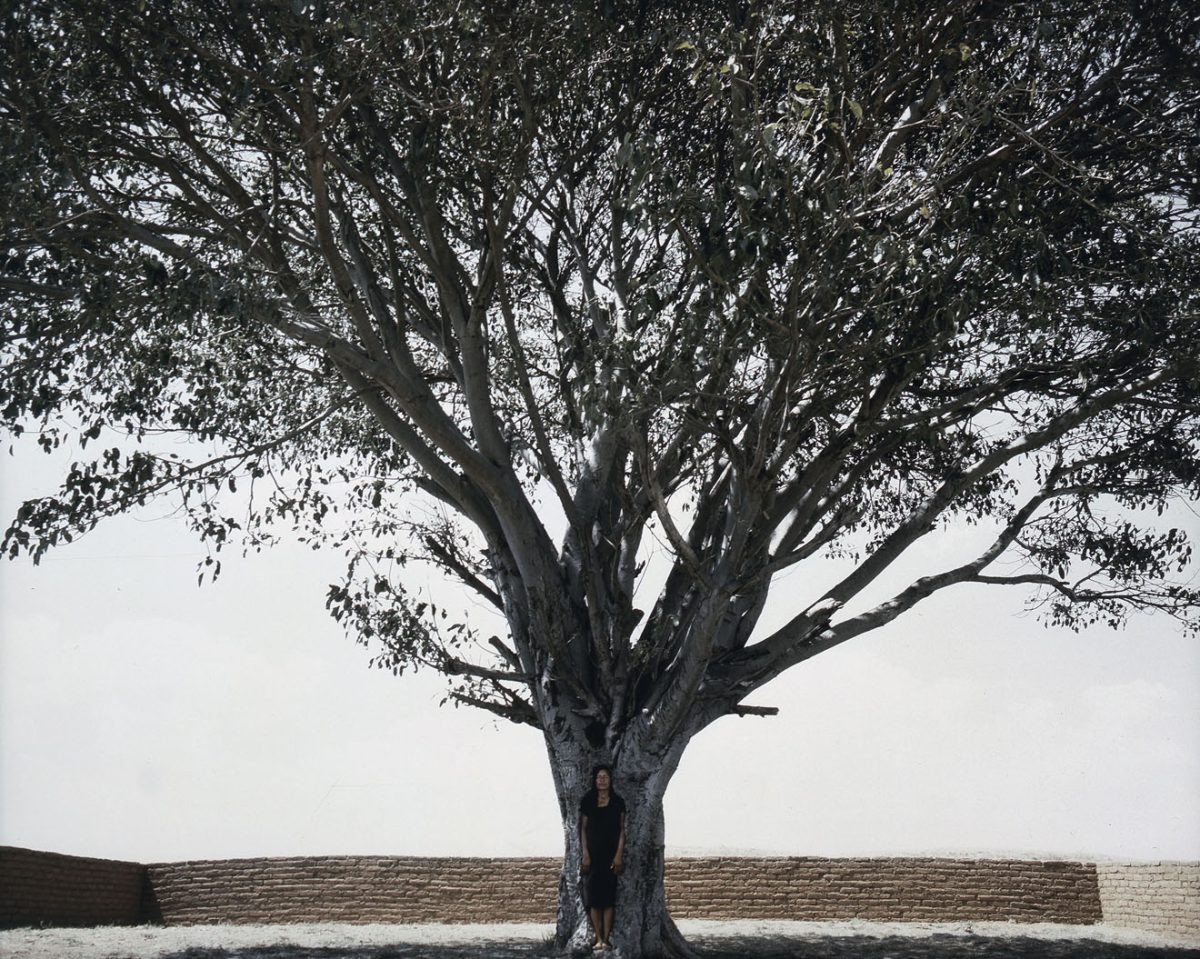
(592, 793)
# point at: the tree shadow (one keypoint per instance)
(938, 946)
(499, 949)
(402, 950)
(941, 946)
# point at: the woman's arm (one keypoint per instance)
(618, 860)
(587, 860)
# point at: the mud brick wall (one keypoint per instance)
(1159, 897)
(883, 889)
(46, 888)
(39, 888)
(355, 889)
(379, 889)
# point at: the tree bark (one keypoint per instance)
(643, 928)
(571, 765)
(641, 899)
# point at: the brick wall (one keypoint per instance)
(38, 888)
(883, 889)
(379, 889)
(1159, 896)
(356, 889)
(45, 888)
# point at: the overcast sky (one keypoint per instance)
(144, 718)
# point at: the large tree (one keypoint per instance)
(525, 289)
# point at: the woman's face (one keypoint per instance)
(603, 779)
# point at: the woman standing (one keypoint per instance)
(602, 838)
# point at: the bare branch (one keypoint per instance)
(522, 713)
(740, 710)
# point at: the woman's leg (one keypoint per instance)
(610, 915)
(597, 918)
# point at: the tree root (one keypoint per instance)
(674, 945)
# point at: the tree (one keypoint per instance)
(447, 279)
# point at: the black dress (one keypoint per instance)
(603, 834)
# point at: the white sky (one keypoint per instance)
(144, 718)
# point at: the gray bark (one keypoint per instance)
(643, 929)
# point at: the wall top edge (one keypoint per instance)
(1099, 862)
(4, 849)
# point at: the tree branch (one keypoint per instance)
(740, 710)
(451, 561)
(521, 713)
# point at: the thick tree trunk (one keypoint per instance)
(571, 767)
(643, 929)
(641, 899)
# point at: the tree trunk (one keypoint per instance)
(643, 928)
(641, 900)
(571, 767)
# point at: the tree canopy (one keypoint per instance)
(761, 283)
(525, 289)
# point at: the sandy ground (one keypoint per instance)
(713, 940)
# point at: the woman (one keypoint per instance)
(602, 838)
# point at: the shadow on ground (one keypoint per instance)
(750, 947)
(932, 947)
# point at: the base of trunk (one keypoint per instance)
(665, 943)
(643, 927)
(673, 942)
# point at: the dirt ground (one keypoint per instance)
(713, 940)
